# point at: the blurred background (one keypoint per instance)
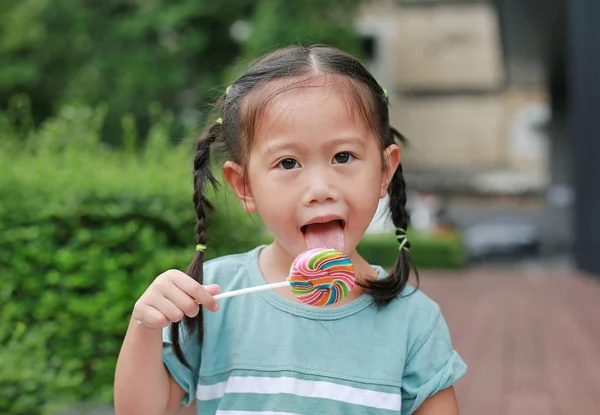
(100, 103)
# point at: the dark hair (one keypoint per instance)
(241, 106)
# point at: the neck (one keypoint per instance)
(275, 263)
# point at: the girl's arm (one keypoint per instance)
(442, 403)
(142, 382)
(187, 410)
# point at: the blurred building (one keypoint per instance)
(500, 99)
(468, 88)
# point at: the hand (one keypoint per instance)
(172, 295)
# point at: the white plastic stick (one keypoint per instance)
(249, 290)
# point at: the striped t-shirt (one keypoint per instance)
(264, 354)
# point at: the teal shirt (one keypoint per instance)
(264, 354)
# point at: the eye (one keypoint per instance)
(342, 158)
(288, 164)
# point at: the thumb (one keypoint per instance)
(212, 289)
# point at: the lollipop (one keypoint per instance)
(318, 277)
(321, 277)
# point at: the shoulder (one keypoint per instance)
(421, 316)
(411, 300)
(228, 271)
(418, 303)
(228, 262)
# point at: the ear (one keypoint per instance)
(391, 160)
(234, 174)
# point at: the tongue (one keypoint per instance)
(325, 235)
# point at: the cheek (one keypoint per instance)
(368, 182)
(367, 195)
(274, 203)
(268, 191)
(368, 205)
(365, 198)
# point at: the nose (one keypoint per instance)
(319, 187)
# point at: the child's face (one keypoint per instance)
(312, 160)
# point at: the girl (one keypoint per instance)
(309, 145)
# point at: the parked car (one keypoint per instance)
(501, 237)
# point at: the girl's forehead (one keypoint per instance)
(333, 96)
(279, 101)
(316, 109)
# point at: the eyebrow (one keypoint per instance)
(277, 147)
(348, 141)
(336, 142)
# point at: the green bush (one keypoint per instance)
(84, 231)
(182, 53)
(439, 250)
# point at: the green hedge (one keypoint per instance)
(84, 231)
(441, 250)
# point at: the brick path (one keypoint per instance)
(531, 338)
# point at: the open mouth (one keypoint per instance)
(327, 235)
(336, 222)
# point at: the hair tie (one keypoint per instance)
(219, 121)
(402, 239)
(227, 90)
(200, 248)
(385, 93)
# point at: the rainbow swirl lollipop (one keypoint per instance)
(321, 277)
(318, 277)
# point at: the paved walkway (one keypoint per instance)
(531, 338)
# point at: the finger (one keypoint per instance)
(187, 284)
(183, 281)
(183, 301)
(212, 289)
(151, 317)
(203, 297)
(168, 309)
(198, 292)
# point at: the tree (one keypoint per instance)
(132, 53)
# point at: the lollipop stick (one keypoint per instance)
(249, 290)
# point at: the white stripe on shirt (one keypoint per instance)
(300, 387)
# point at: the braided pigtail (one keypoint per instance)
(385, 290)
(202, 176)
